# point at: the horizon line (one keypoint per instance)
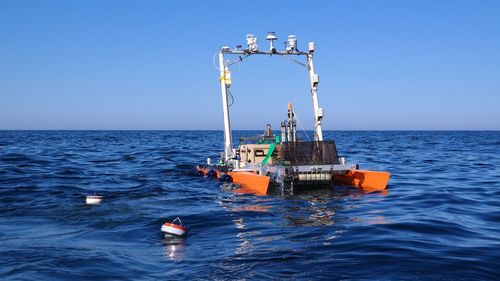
(330, 130)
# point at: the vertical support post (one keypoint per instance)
(314, 80)
(283, 131)
(228, 141)
(292, 123)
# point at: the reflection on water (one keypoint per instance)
(251, 208)
(244, 247)
(378, 220)
(174, 248)
(319, 209)
(310, 209)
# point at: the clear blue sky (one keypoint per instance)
(148, 64)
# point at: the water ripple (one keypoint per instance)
(438, 221)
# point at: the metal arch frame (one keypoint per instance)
(225, 77)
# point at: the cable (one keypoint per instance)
(295, 61)
(239, 60)
(232, 98)
(300, 123)
(213, 62)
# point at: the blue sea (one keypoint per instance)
(438, 220)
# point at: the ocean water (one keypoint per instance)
(438, 220)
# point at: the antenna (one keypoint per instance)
(271, 36)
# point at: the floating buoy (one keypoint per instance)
(93, 199)
(171, 228)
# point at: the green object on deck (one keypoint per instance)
(269, 153)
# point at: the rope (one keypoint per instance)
(300, 123)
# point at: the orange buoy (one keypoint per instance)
(171, 228)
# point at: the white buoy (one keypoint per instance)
(171, 228)
(93, 199)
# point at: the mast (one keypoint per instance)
(314, 81)
(253, 49)
(225, 81)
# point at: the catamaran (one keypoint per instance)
(283, 162)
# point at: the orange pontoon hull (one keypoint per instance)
(251, 182)
(257, 184)
(366, 180)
